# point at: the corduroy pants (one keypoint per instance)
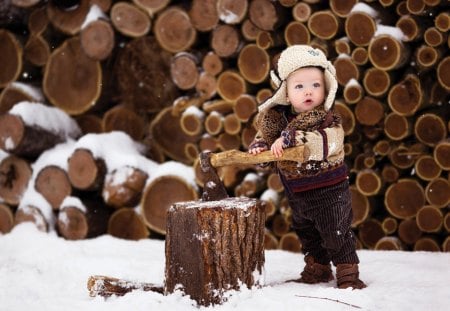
(322, 218)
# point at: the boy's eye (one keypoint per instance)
(299, 86)
(317, 84)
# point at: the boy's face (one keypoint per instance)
(306, 89)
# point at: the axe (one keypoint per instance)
(214, 189)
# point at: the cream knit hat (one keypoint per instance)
(296, 57)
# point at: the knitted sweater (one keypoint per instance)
(322, 135)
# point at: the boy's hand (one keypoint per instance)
(277, 147)
(257, 150)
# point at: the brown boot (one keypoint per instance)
(347, 275)
(315, 272)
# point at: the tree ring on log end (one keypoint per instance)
(387, 53)
(12, 131)
(11, 60)
(76, 228)
(159, 196)
(72, 80)
(404, 198)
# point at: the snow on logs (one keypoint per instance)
(186, 77)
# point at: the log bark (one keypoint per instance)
(123, 187)
(126, 223)
(15, 174)
(11, 62)
(25, 140)
(158, 197)
(226, 250)
(6, 219)
(85, 171)
(105, 286)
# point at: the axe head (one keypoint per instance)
(213, 188)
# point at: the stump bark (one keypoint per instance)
(213, 247)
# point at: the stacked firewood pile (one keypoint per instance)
(157, 82)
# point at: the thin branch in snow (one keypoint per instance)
(334, 300)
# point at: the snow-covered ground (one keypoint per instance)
(41, 271)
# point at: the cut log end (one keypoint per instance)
(85, 171)
(6, 219)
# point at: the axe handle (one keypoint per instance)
(235, 157)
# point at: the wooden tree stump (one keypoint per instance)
(225, 242)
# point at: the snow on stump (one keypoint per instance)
(213, 247)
